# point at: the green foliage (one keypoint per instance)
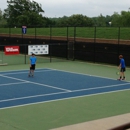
(2, 20)
(125, 18)
(108, 20)
(1, 15)
(23, 12)
(122, 19)
(26, 12)
(79, 20)
(116, 19)
(62, 21)
(101, 20)
(74, 20)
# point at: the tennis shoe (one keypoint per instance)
(123, 79)
(29, 75)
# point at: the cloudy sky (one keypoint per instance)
(90, 8)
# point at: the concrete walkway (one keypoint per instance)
(101, 124)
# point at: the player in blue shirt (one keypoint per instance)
(122, 67)
(33, 60)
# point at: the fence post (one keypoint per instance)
(50, 32)
(35, 34)
(22, 35)
(95, 29)
(9, 34)
(50, 52)
(67, 47)
(74, 33)
(50, 43)
(67, 34)
(25, 52)
(74, 43)
(118, 45)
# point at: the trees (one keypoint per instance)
(23, 12)
(100, 20)
(73, 20)
(62, 21)
(125, 18)
(116, 19)
(122, 20)
(79, 20)
(2, 20)
(0, 14)
(108, 20)
(26, 12)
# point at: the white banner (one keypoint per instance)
(38, 49)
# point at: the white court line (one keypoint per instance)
(86, 74)
(36, 83)
(63, 99)
(108, 86)
(64, 92)
(13, 83)
(13, 99)
(24, 72)
(51, 69)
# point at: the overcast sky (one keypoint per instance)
(90, 8)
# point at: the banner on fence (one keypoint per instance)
(11, 50)
(38, 49)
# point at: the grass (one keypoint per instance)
(84, 32)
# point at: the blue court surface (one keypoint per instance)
(17, 89)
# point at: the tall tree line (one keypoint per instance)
(30, 13)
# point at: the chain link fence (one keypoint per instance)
(94, 44)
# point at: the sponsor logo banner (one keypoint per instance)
(38, 49)
(11, 50)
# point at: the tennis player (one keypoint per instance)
(33, 60)
(122, 68)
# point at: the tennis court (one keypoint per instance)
(59, 90)
(50, 84)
